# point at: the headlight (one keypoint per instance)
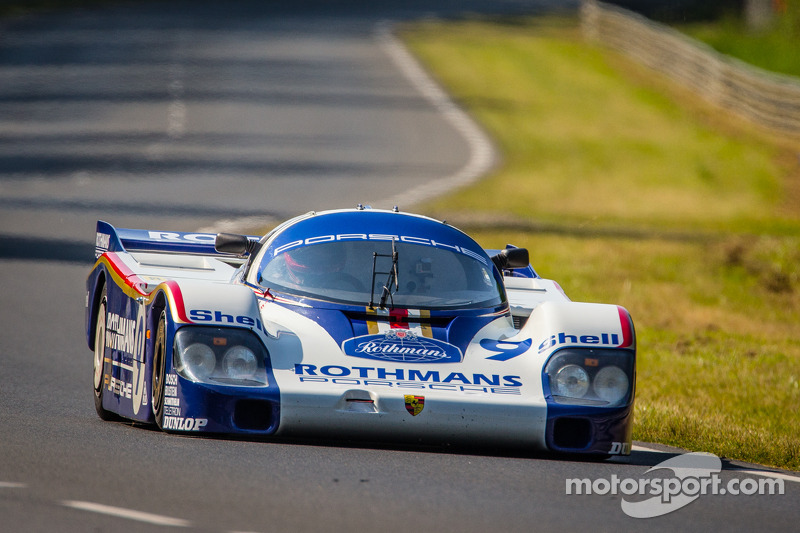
(240, 363)
(570, 380)
(611, 384)
(582, 376)
(222, 356)
(199, 361)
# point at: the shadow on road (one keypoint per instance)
(34, 248)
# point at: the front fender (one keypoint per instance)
(209, 303)
(593, 336)
(555, 325)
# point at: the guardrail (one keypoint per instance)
(767, 99)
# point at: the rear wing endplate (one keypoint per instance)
(111, 239)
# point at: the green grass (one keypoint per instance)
(775, 48)
(633, 194)
(614, 150)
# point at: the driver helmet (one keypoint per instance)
(314, 262)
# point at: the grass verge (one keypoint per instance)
(774, 47)
(630, 193)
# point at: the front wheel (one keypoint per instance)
(159, 369)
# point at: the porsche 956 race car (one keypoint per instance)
(354, 324)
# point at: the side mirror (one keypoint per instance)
(229, 243)
(511, 258)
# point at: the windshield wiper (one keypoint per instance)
(391, 280)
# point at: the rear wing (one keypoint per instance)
(111, 239)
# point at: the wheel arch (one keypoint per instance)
(156, 368)
(158, 305)
(93, 296)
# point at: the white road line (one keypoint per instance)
(767, 473)
(11, 485)
(177, 110)
(638, 448)
(763, 473)
(482, 154)
(130, 514)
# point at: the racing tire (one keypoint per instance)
(99, 364)
(159, 369)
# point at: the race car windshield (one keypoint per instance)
(427, 277)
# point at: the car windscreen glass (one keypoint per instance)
(348, 272)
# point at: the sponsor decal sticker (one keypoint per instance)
(127, 337)
(398, 318)
(424, 241)
(198, 316)
(117, 386)
(414, 404)
(184, 424)
(401, 346)
(620, 448)
(412, 378)
(170, 236)
(603, 339)
(102, 242)
(172, 404)
(505, 349)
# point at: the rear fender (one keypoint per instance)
(94, 287)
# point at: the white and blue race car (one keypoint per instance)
(354, 324)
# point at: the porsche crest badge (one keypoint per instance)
(414, 404)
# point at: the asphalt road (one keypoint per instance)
(179, 116)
